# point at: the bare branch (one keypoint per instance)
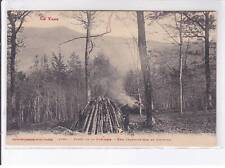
(194, 35)
(92, 46)
(167, 32)
(194, 21)
(173, 70)
(83, 37)
(22, 19)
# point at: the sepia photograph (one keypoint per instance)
(111, 78)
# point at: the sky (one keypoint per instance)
(123, 24)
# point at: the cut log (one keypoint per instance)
(90, 119)
(101, 115)
(94, 125)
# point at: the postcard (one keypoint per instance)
(111, 78)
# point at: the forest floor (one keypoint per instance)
(189, 122)
(166, 122)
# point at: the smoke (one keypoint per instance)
(118, 92)
(113, 88)
(109, 81)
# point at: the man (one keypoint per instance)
(126, 112)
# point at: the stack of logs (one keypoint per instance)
(100, 115)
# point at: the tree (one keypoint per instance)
(88, 24)
(202, 23)
(59, 68)
(145, 67)
(179, 27)
(133, 86)
(15, 24)
(74, 63)
(177, 36)
(76, 84)
(87, 20)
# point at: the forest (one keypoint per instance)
(170, 87)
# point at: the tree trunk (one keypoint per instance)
(140, 102)
(145, 67)
(87, 89)
(207, 66)
(181, 79)
(186, 54)
(181, 65)
(12, 70)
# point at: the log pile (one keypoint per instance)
(62, 130)
(100, 115)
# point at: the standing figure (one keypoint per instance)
(126, 112)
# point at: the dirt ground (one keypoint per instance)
(189, 122)
(166, 122)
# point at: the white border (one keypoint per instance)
(132, 156)
(114, 4)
